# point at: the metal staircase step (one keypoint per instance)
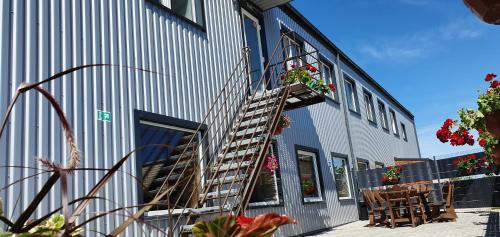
(243, 132)
(259, 104)
(220, 194)
(241, 143)
(252, 122)
(209, 210)
(172, 178)
(256, 114)
(186, 155)
(233, 166)
(228, 179)
(239, 154)
(259, 97)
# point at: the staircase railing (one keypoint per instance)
(218, 121)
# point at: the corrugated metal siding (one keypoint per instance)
(39, 39)
(323, 127)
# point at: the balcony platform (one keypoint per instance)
(302, 96)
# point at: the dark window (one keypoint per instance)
(379, 165)
(310, 182)
(267, 190)
(403, 132)
(155, 162)
(189, 9)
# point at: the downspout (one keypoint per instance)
(349, 137)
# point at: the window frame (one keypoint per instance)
(277, 184)
(323, 62)
(394, 122)
(382, 165)
(382, 110)
(353, 95)
(369, 107)
(364, 161)
(166, 4)
(143, 117)
(404, 134)
(292, 39)
(347, 176)
(318, 174)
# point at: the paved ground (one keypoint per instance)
(470, 223)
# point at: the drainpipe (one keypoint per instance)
(349, 137)
(416, 139)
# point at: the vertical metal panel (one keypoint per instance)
(38, 40)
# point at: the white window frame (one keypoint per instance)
(194, 11)
(332, 78)
(368, 98)
(383, 115)
(277, 196)
(316, 176)
(394, 122)
(346, 170)
(287, 42)
(352, 95)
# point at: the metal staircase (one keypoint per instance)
(216, 174)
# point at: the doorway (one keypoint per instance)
(253, 41)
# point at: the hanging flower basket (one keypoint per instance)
(271, 163)
(284, 122)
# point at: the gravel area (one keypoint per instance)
(470, 223)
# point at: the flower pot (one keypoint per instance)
(492, 121)
(278, 131)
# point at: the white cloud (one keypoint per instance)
(420, 44)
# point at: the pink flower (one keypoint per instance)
(271, 163)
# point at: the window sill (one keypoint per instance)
(312, 200)
(258, 205)
(396, 135)
(355, 113)
(373, 123)
(386, 130)
(183, 18)
(329, 98)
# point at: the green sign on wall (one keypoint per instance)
(103, 116)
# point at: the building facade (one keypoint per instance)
(189, 48)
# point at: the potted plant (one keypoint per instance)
(305, 76)
(308, 186)
(271, 163)
(231, 226)
(392, 175)
(284, 122)
(485, 120)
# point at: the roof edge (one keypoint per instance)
(288, 8)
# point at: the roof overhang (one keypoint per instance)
(487, 10)
(268, 4)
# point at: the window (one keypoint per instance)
(394, 122)
(382, 113)
(363, 164)
(189, 9)
(341, 175)
(379, 165)
(403, 132)
(370, 109)
(350, 94)
(309, 176)
(155, 162)
(328, 75)
(293, 49)
(267, 190)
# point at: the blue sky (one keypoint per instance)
(431, 55)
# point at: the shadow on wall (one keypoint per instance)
(310, 216)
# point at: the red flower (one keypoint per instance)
(482, 142)
(244, 221)
(495, 84)
(294, 66)
(332, 87)
(282, 77)
(308, 67)
(313, 69)
(490, 77)
(448, 123)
